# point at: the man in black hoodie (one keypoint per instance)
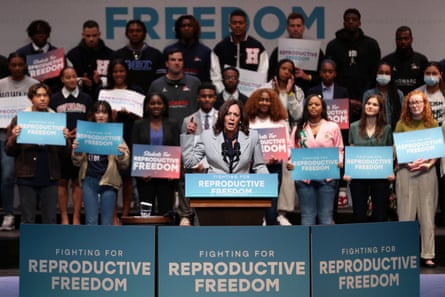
(90, 58)
(357, 57)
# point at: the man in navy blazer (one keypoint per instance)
(206, 116)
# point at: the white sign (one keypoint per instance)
(250, 81)
(10, 106)
(303, 52)
(124, 99)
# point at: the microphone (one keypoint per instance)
(224, 151)
(237, 151)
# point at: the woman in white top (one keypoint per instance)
(434, 89)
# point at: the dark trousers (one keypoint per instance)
(378, 189)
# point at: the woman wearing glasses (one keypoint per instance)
(416, 182)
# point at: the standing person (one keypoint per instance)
(327, 87)
(231, 132)
(117, 79)
(90, 55)
(370, 130)
(316, 130)
(194, 124)
(39, 32)
(434, 89)
(392, 96)
(291, 95)
(15, 85)
(196, 55)
(37, 167)
(206, 116)
(265, 110)
(76, 104)
(238, 49)
(407, 65)
(230, 81)
(99, 174)
(356, 56)
(143, 61)
(416, 182)
(295, 29)
(156, 128)
(179, 88)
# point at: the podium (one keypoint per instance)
(150, 220)
(231, 199)
(230, 212)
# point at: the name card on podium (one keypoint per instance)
(231, 185)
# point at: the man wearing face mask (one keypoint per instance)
(386, 87)
(434, 90)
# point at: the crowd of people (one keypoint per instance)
(192, 100)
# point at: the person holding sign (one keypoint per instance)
(37, 167)
(370, 130)
(39, 32)
(230, 147)
(118, 79)
(12, 88)
(99, 174)
(416, 182)
(265, 110)
(156, 128)
(315, 130)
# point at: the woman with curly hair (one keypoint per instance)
(265, 110)
(416, 182)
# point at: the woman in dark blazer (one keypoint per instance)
(155, 128)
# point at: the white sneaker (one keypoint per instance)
(283, 221)
(8, 223)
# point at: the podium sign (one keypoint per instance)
(231, 185)
(74, 261)
(233, 261)
(380, 259)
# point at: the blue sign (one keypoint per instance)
(44, 128)
(234, 261)
(366, 260)
(99, 138)
(369, 161)
(76, 261)
(231, 185)
(420, 144)
(315, 163)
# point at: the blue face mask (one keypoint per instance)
(431, 80)
(383, 79)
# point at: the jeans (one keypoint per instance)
(90, 194)
(317, 200)
(7, 180)
(271, 212)
(48, 203)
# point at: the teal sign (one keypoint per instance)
(78, 261)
